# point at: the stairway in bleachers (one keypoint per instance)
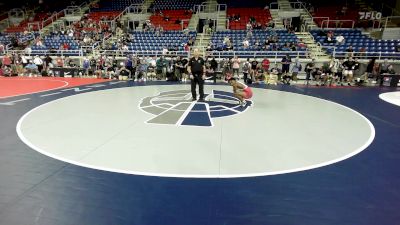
(147, 4)
(277, 20)
(314, 49)
(60, 22)
(284, 5)
(201, 42)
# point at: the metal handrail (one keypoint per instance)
(47, 52)
(321, 17)
(202, 7)
(31, 24)
(328, 21)
(156, 53)
(182, 22)
(73, 8)
(256, 54)
(52, 18)
(390, 17)
(367, 54)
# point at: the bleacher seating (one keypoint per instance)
(175, 4)
(53, 42)
(261, 15)
(243, 3)
(149, 41)
(357, 40)
(23, 25)
(109, 15)
(174, 15)
(6, 38)
(114, 5)
(333, 13)
(260, 35)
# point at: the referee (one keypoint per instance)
(197, 71)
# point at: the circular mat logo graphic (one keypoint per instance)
(177, 108)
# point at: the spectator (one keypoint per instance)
(65, 46)
(210, 46)
(309, 68)
(123, 72)
(93, 64)
(246, 70)
(316, 74)
(60, 62)
(350, 51)
(370, 72)
(210, 72)
(253, 69)
(161, 68)
(2, 48)
(259, 77)
(271, 24)
(248, 26)
(246, 43)
(391, 70)
(31, 69)
(39, 42)
(164, 50)
(340, 39)
(7, 60)
(301, 44)
(296, 69)
(286, 60)
(142, 70)
(186, 47)
(292, 46)
(286, 47)
(326, 74)
(348, 72)
(265, 64)
(6, 70)
(257, 45)
(235, 67)
(86, 66)
(28, 50)
(24, 60)
(385, 66)
(178, 68)
(47, 60)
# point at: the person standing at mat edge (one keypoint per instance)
(197, 72)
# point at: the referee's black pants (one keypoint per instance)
(197, 79)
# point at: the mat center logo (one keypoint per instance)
(177, 108)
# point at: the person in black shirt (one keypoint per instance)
(178, 67)
(197, 74)
(124, 73)
(253, 70)
(349, 67)
(93, 64)
(183, 70)
(309, 68)
(210, 72)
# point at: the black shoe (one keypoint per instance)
(201, 100)
(193, 99)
